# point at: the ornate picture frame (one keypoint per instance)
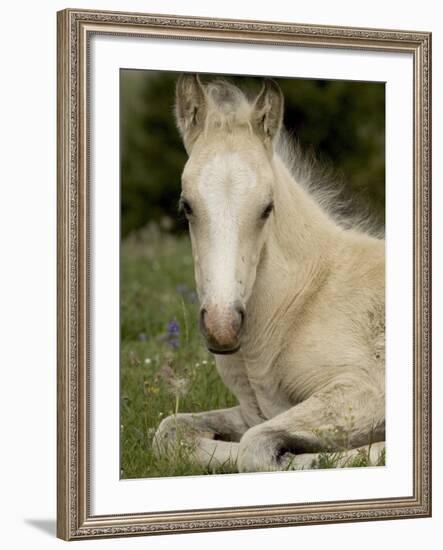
(75, 30)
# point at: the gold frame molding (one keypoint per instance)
(75, 28)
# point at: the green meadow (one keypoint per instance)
(160, 338)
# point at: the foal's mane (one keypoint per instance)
(229, 108)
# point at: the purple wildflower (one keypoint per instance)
(173, 329)
(172, 336)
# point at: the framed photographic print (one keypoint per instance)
(243, 274)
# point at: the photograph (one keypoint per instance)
(252, 274)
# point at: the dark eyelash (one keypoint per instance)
(267, 211)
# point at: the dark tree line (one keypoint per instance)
(342, 122)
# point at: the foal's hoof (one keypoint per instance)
(258, 451)
(173, 431)
(286, 461)
(290, 461)
(165, 437)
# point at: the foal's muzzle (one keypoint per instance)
(222, 327)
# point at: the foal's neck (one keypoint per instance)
(297, 252)
(302, 232)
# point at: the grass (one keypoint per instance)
(159, 330)
(160, 338)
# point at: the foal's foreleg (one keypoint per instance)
(372, 455)
(211, 437)
(343, 416)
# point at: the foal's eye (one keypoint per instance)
(267, 211)
(186, 207)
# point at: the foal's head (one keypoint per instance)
(227, 195)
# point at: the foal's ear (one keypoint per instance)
(267, 114)
(190, 108)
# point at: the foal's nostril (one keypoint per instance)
(221, 327)
(202, 320)
(240, 310)
(220, 324)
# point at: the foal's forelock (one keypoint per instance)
(227, 107)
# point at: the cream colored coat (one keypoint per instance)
(309, 371)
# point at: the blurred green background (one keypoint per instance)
(342, 122)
